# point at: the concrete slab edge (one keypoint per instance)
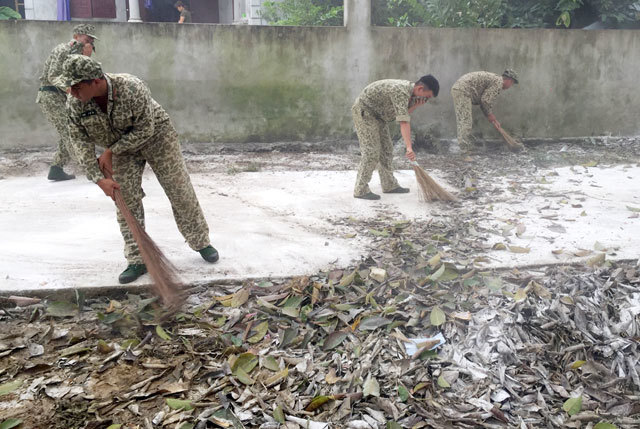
(119, 290)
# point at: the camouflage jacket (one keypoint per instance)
(133, 120)
(483, 88)
(53, 65)
(387, 99)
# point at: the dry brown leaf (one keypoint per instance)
(518, 249)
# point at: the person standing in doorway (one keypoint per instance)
(185, 15)
(52, 97)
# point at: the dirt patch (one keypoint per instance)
(491, 157)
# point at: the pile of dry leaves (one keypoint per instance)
(410, 338)
(417, 335)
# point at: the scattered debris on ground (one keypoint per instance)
(416, 335)
(344, 155)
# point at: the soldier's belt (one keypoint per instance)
(50, 89)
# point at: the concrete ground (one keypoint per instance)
(284, 223)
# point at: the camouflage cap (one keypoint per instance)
(511, 74)
(77, 68)
(88, 29)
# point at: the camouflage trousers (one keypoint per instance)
(166, 161)
(53, 105)
(376, 149)
(462, 105)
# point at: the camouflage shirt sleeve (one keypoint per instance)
(400, 106)
(84, 149)
(489, 95)
(56, 60)
(141, 108)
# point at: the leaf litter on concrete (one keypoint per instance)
(418, 334)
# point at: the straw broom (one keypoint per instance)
(429, 189)
(166, 283)
(512, 143)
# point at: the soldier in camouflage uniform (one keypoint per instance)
(477, 88)
(116, 111)
(52, 98)
(378, 104)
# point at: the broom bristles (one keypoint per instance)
(429, 189)
(166, 283)
(511, 142)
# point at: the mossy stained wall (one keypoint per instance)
(225, 83)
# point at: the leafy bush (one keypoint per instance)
(502, 13)
(303, 12)
(438, 13)
(617, 11)
(464, 13)
(459, 13)
(8, 13)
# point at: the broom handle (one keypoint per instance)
(117, 196)
(108, 173)
(167, 292)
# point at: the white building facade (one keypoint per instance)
(203, 11)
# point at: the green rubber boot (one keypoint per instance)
(209, 254)
(132, 273)
(368, 196)
(398, 190)
(57, 174)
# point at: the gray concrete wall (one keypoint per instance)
(230, 83)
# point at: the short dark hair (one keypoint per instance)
(89, 81)
(430, 82)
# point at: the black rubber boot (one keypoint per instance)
(368, 196)
(57, 174)
(398, 190)
(132, 273)
(209, 254)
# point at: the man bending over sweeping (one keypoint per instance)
(478, 88)
(378, 104)
(116, 111)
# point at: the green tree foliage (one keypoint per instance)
(528, 14)
(566, 7)
(617, 11)
(303, 12)
(460, 13)
(8, 13)
(502, 13)
(464, 13)
(398, 13)
(438, 13)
